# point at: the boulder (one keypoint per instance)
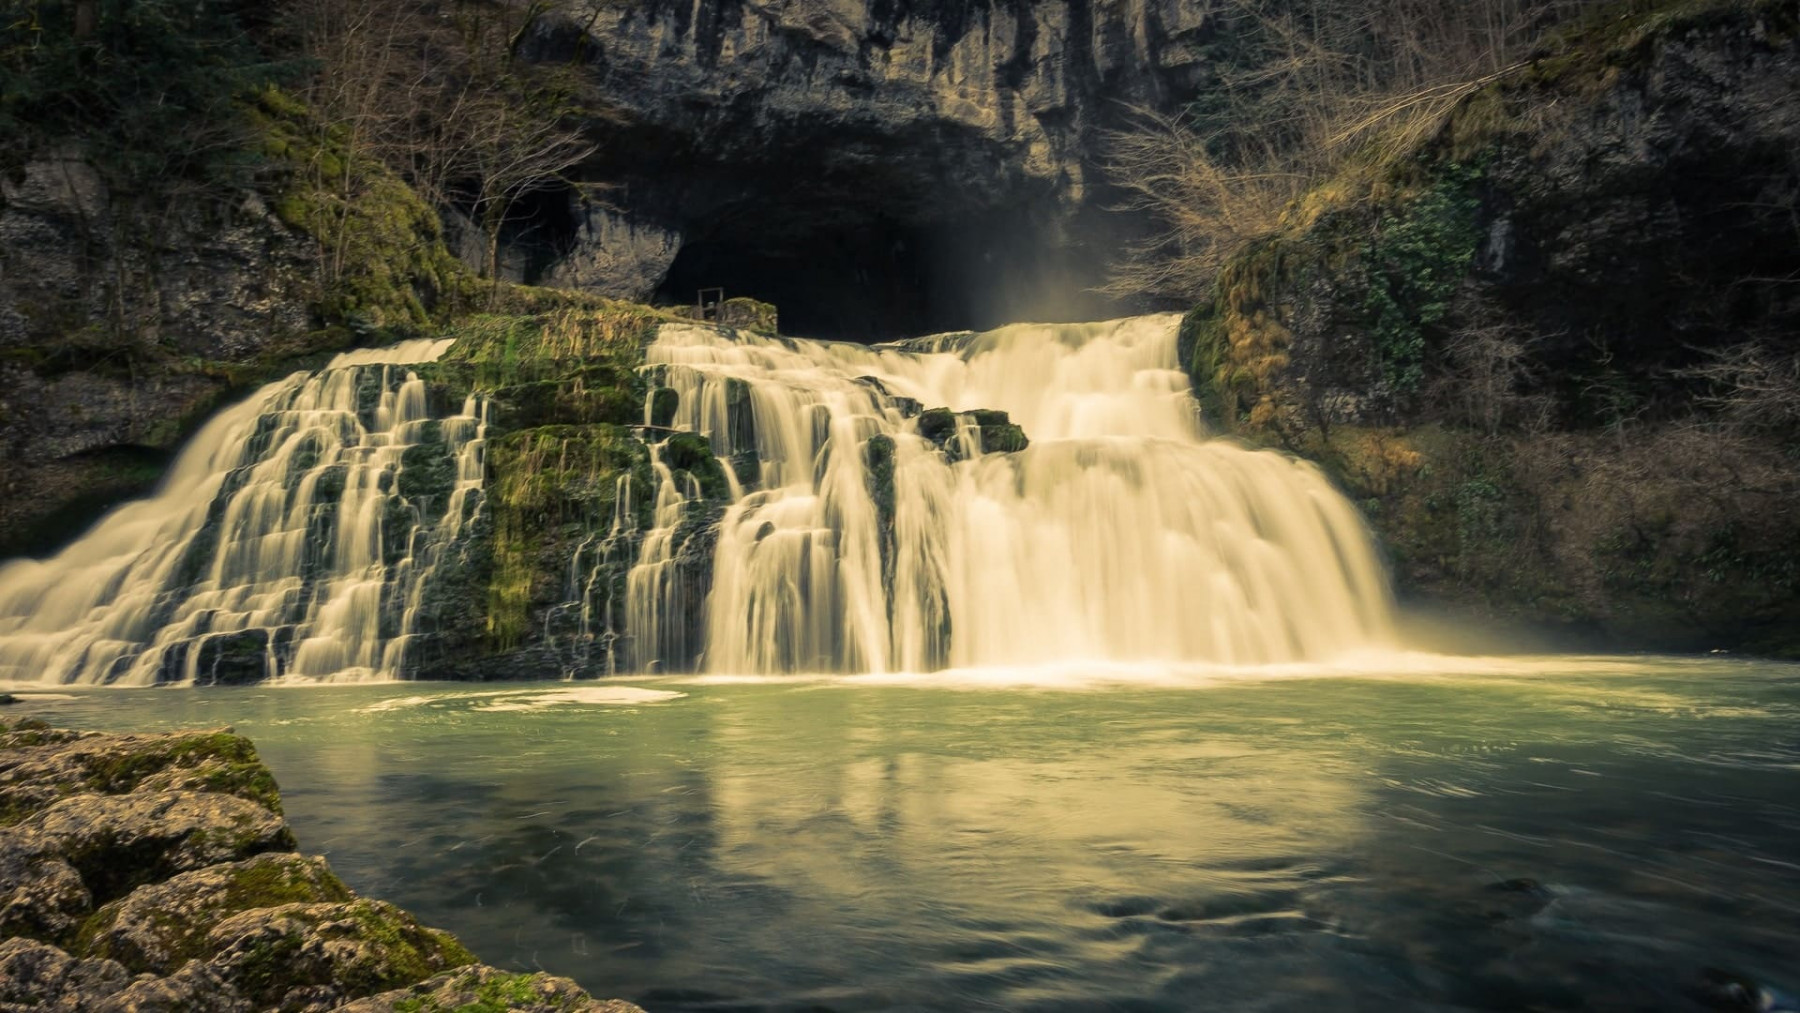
(303, 956)
(482, 988)
(40, 977)
(119, 842)
(161, 926)
(65, 763)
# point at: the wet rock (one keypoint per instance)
(7, 699)
(993, 431)
(937, 425)
(37, 976)
(119, 842)
(161, 926)
(483, 987)
(664, 401)
(1728, 990)
(1007, 438)
(302, 956)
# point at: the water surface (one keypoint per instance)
(1559, 833)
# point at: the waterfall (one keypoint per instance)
(867, 532)
(294, 536)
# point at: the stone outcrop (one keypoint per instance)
(120, 894)
(1484, 340)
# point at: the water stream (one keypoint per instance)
(278, 534)
(1121, 533)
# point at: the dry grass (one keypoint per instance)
(1326, 90)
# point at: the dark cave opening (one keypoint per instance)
(871, 278)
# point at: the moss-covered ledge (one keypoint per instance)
(142, 872)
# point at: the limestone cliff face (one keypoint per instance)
(862, 143)
(115, 324)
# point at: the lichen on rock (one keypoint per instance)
(200, 893)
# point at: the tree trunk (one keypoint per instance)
(87, 19)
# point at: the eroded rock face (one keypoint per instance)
(200, 893)
(99, 299)
(877, 168)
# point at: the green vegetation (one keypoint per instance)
(1624, 496)
(552, 487)
(480, 992)
(150, 85)
(382, 948)
(382, 268)
(1414, 265)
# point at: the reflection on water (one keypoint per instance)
(1556, 834)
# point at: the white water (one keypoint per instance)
(249, 535)
(1121, 535)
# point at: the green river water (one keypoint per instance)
(1546, 833)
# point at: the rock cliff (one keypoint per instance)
(1503, 344)
(882, 168)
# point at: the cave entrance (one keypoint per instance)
(878, 279)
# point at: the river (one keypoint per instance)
(1415, 833)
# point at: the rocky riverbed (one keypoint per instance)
(156, 873)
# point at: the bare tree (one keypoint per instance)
(1752, 387)
(434, 90)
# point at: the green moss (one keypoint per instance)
(384, 268)
(496, 993)
(1006, 438)
(692, 453)
(551, 486)
(664, 403)
(262, 882)
(226, 763)
(206, 761)
(395, 951)
(1413, 266)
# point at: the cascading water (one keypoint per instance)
(284, 529)
(865, 535)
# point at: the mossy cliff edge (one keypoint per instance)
(155, 872)
(1538, 351)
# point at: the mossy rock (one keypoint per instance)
(664, 403)
(692, 453)
(1003, 439)
(937, 425)
(118, 843)
(483, 989)
(349, 950)
(748, 315)
(53, 764)
(161, 926)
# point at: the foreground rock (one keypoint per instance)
(155, 873)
